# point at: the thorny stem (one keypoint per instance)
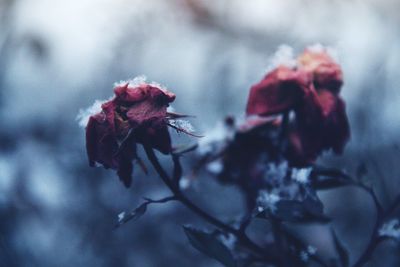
(241, 236)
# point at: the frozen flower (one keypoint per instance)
(136, 114)
(311, 90)
(391, 229)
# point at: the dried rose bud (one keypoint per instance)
(137, 114)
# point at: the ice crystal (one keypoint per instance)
(391, 229)
(183, 125)
(84, 114)
(267, 200)
(301, 175)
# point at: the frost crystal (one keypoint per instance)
(137, 81)
(218, 134)
(184, 183)
(283, 57)
(228, 240)
(215, 167)
(170, 109)
(304, 256)
(84, 114)
(391, 229)
(276, 171)
(311, 250)
(267, 200)
(316, 48)
(301, 175)
(121, 216)
(319, 48)
(182, 124)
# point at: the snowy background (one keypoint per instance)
(57, 57)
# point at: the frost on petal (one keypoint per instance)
(301, 175)
(316, 48)
(171, 109)
(284, 56)
(320, 48)
(139, 81)
(84, 114)
(326, 72)
(132, 83)
(391, 229)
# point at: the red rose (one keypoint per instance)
(311, 90)
(135, 115)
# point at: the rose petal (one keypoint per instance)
(325, 71)
(279, 91)
(145, 91)
(100, 142)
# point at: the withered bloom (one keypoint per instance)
(136, 114)
(311, 90)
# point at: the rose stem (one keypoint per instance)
(242, 237)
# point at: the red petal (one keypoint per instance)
(142, 92)
(325, 71)
(155, 134)
(100, 142)
(279, 91)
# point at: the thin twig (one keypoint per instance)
(381, 214)
(243, 239)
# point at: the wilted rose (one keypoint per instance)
(136, 114)
(311, 90)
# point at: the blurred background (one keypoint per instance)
(57, 57)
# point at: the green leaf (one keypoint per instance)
(208, 244)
